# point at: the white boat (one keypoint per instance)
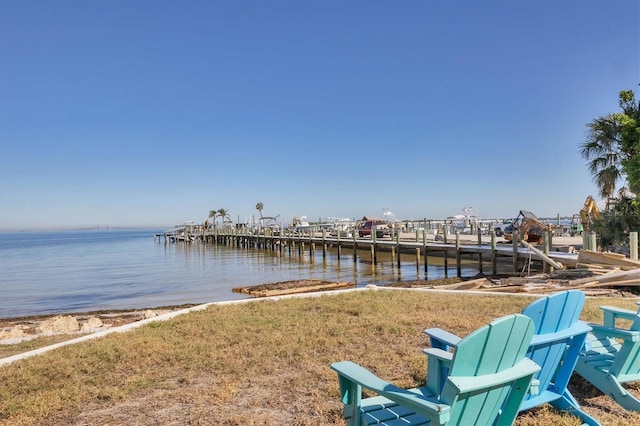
(301, 226)
(342, 226)
(271, 223)
(466, 223)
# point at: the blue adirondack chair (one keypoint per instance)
(559, 337)
(613, 355)
(489, 377)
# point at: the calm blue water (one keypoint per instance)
(80, 271)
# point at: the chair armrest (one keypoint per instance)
(603, 331)
(472, 383)
(356, 374)
(611, 313)
(576, 329)
(621, 312)
(442, 339)
(438, 354)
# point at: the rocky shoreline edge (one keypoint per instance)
(21, 329)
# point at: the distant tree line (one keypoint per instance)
(223, 214)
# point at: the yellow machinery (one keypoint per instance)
(589, 213)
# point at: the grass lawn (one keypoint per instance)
(262, 363)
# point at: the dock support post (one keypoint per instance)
(373, 257)
(494, 259)
(516, 236)
(398, 248)
(446, 257)
(324, 243)
(592, 241)
(424, 244)
(374, 254)
(546, 240)
(633, 245)
(312, 246)
(585, 240)
(480, 254)
(355, 248)
(424, 231)
(426, 261)
(458, 257)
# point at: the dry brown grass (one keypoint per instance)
(41, 342)
(260, 363)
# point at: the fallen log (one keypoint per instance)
(304, 289)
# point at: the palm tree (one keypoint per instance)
(259, 207)
(212, 214)
(629, 128)
(604, 153)
(224, 214)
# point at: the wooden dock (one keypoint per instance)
(417, 246)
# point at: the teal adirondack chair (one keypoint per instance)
(613, 356)
(489, 377)
(559, 337)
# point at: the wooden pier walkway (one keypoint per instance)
(414, 245)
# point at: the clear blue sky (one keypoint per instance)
(153, 112)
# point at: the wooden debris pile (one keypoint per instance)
(292, 287)
(595, 260)
(596, 273)
(475, 284)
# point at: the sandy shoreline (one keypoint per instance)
(20, 329)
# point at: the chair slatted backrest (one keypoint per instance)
(491, 349)
(558, 312)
